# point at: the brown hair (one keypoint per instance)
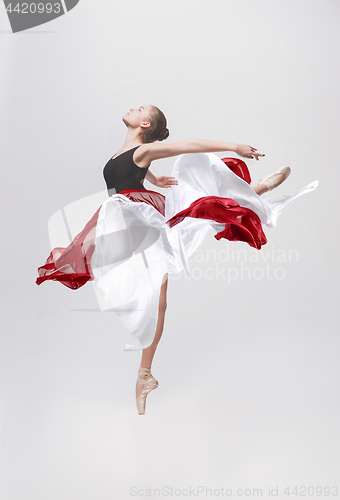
(157, 130)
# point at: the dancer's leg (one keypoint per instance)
(149, 352)
(273, 181)
(260, 189)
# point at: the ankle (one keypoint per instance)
(260, 189)
(144, 372)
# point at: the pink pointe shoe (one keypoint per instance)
(149, 383)
(281, 176)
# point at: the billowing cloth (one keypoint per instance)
(137, 237)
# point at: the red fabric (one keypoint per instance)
(241, 224)
(238, 167)
(71, 265)
(157, 200)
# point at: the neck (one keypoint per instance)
(132, 139)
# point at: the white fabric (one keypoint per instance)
(135, 248)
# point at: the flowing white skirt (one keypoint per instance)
(135, 248)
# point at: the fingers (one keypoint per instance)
(168, 182)
(256, 155)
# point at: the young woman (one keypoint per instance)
(211, 193)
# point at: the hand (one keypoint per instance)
(165, 182)
(247, 151)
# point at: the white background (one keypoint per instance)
(248, 370)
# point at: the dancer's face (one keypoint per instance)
(137, 117)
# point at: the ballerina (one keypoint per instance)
(234, 208)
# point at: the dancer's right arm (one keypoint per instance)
(148, 152)
(163, 181)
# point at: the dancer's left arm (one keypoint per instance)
(148, 152)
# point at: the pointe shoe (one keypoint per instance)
(270, 183)
(150, 383)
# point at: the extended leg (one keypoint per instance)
(145, 381)
(149, 352)
(272, 181)
(260, 189)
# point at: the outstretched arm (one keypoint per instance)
(146, 153)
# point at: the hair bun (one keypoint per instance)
(163, 135)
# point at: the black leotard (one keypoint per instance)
(122, 173)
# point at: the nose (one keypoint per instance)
(131, 109)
